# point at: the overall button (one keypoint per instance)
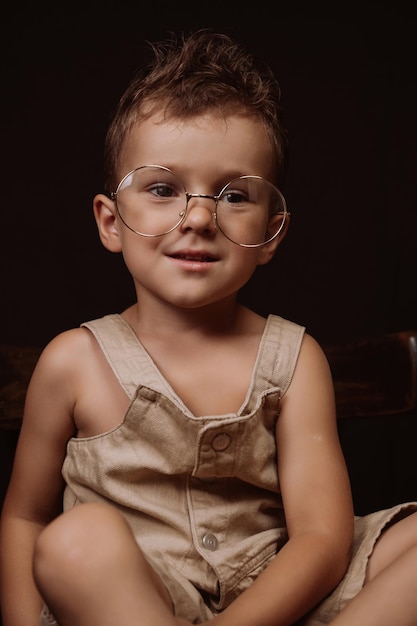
(210, 542)
(221, 442)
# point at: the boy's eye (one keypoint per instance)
(234, 197)
(162, 190)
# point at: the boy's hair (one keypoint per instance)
(192, 75)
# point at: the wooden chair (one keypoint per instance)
(375, 383)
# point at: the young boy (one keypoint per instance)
(195, 441)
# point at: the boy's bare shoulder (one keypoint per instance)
(67, 353)
(312, 350)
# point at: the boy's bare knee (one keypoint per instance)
(94, 543)
(77, 540)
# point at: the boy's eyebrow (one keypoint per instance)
(219, 178)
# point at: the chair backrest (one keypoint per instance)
(375, 376)
(16, 366)
(375, 382)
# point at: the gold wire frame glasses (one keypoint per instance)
(152, 201)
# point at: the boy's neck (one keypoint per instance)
(226, 317)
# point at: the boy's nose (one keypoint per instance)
(200, 214)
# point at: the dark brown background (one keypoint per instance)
(348, 76)
(347, 269)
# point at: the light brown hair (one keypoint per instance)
(192, 75)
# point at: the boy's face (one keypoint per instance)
(195, 264)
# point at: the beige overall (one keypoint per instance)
(201, 493)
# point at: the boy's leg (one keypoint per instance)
(390, 592)
(91, 572)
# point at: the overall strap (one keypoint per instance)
(125, 354)
(278, 354)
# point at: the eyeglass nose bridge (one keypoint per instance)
(201, 195)
(205, 196)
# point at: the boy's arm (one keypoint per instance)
(34, 496)
(317, 503)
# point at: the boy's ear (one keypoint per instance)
(267, 251)
(106, 219)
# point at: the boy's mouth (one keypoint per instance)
(200, 258)
(195, 256)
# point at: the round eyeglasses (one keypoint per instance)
(152, 201)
